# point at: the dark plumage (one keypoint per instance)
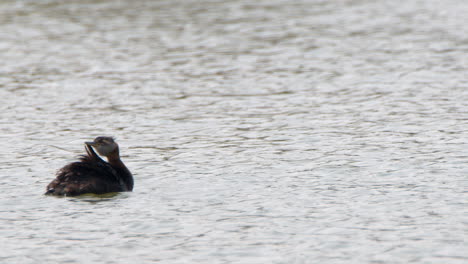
(92, 174)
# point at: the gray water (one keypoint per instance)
(257, 131)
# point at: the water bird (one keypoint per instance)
(91, 174)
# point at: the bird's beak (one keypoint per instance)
(91, 143)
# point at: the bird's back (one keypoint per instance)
(89, 175)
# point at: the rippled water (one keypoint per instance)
(257, 131)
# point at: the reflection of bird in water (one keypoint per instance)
(92, 174)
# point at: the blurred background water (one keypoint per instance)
(257, 131)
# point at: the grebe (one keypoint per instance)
(92, 174)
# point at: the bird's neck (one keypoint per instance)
(114, 160)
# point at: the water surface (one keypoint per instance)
(265, 132)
